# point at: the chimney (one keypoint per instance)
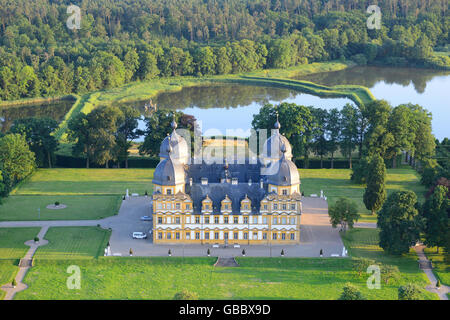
(261, 183)
(190, 182)
(204, 181)
(234, 181)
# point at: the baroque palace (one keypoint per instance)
(229, 203)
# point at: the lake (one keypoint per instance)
(428, 88)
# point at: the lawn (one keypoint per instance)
(12, 248)
(336, 183)
(25, 208)
(256, 278)
(74, 243)
(86, 182)
(88, 193)
(12, 241)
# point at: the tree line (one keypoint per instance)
(120, 42)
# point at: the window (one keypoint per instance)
(225, 207)
(265, 207)
(255, 220)
(197, 219)
(178, 206)
(207, 235)
(188, 206)
(275, 206)
(292, 220)
(283, 220)
(236, 220)
(284, 192)
(255, 235)
(216, 220)
(160, 235)
(245, 206)
(246, 220)
(169, 235)
(284, 206)
(245, 235)
(264, 220)
(197, 236)
(292, 236)
(235, 235)
(188, 235)
(225, 219)
(274, 236)
(169, 191)
(169, 206)
(177, 220)
(283, 236)
(207, 220)
(274, 221)
(159, 220)
(293, 206)
(159, 206)
(225, 235)
(216, 235)
(177, 236)
(265, 236)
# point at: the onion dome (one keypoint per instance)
(286, 174)
(273, 145)
(169, 171)
(179, 147)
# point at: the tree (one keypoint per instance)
(343, 212)
(350, 292)
(375, 193)
(38, 133)
(127, 132)
(349, 131)
(204, 61)
(148, 67)
(378, 139)
(333, 127)
(409, 291)
(389, 272)
(321, 144)
(131, 64)
(400, 127)
(436, 211)
(360, 265)
(2, 187)
(399, 222)
(16, 158)
(185, 295)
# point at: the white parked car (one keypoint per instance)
(139, 235)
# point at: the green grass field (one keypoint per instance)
(12, 248)
(74, 243)
(88, 193)
(336, 183)
(256, 278)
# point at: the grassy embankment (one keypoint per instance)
(88, 193)
(12, 249)
(256, 278)
(441, 268)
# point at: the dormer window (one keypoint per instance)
(284, 192)
(225, 207)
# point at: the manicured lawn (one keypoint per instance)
(256, 278)
(74, 243)
(336, 183)
(12, 241)
(24, 208)
(441, 269)
(87, 182)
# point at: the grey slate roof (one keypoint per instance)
(169, 172)
(287, 174)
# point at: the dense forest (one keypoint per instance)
(123, 41)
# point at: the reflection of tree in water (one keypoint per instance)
(56, 111)
(369, 76)
(216, 96)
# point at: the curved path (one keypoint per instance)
(25, 264)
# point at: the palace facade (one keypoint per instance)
(236, 202)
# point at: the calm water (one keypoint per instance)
(55, 111)
(428, 88)
(231, 107)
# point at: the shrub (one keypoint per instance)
(56, 203)
(360, 265)
(169, 252)
(36, 239)
(409, 292)
(438, 283)
(350, 292)
(14, 283)
(243, 252)
(208, 252)
(282, 252)
(185, 295)
(389, 272)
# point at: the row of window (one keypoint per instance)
(245, 235)
(265, 207)
(228, 220)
